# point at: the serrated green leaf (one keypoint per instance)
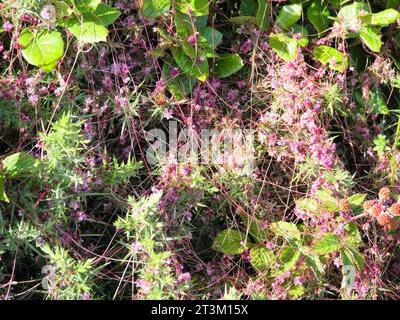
(261, 258)
(327, 201)
(377, 102)
(62, 10)
(355, 256)
(256, 231)
(329, 243)
(288, 258)
(308, 204)
(230, 241)
(296, 292)
(183, 24)
(286, 230)
(357, 199)
(353, 234)
(86, 5)
(315, 264)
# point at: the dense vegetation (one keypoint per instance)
(98, 200)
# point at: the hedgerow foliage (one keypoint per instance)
(84, 213)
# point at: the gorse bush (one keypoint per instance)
(123, 176)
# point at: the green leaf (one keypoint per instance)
(42, 49)
(3, 195)
(256, 231)
(285, 47)
(62, 9)
(286, 230)
(371, 38)
(297, 28)
(261, 258)
(296, 292)
(350, 14)
(248, 7)
(315, 264)
(329, 243)
(230, 241)
(262, 16)
(383, 18)
(353, 234)
(308, 204)
(228, 64)
(88, 31)
(19, 163)
(209, 39)
(289, 15)
(327, 201)
(358, 259)
(104, 14)
(155, 8)
(357, 199)
(288, 258)
(86, 5)
(183, 24)
(377, 102)
(394, 4)
(180, 86)
(191, 66)
(243, 20)
(381, 144)
(197, 7)
(346, 258)
(318, 14)
(347, 269)
(328, 55)
(351, 257)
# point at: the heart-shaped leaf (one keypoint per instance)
(42, 49)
